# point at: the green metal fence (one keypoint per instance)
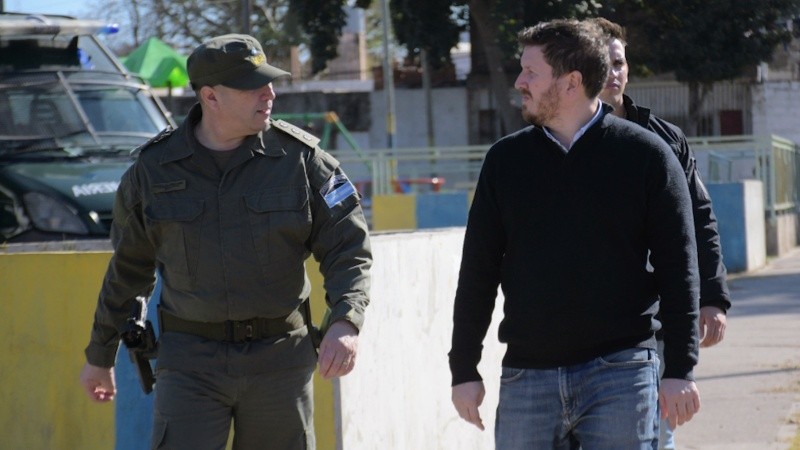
(772, 159)
(720, 159)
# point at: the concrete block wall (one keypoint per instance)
(450, 109)
(739, 208)
(783, 233)
(774, 103)
(398, 397)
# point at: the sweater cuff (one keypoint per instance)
(463, 372)
(679, 374)
(720, 303)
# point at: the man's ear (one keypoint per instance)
(209, 96)
(574, 82)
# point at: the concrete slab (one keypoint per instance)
(750, 383)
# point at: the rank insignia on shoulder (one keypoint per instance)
(161, 135)
(296, 132)
(336, 189)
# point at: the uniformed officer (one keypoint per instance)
(227, 207)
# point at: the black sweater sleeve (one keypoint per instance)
(673, 256)
(479, 278)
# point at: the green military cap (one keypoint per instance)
(233, 60)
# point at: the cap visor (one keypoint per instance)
(260, 77)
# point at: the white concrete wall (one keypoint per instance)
(755, 228)
(449, 118)
(776, 109)
(398, 397)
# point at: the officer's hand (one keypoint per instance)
(467, 397)
(98, 382)
(680, 400)
(712, 326)
(337, 352)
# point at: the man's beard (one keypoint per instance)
(547, 108)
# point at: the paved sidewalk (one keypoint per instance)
(750, 383)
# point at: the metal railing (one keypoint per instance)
(720, 159)
(446, 168)
(772, 159)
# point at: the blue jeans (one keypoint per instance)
(666, 441)
(608, 403)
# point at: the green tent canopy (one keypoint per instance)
(158, 63)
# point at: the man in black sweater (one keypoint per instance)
(714, 293)
(564, 216)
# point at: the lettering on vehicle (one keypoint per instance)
(107, 187)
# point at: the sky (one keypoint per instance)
(68, 7)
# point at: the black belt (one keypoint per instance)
(232, 330)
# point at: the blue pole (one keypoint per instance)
(133, 410)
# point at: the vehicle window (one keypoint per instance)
(8, 218)
(40, 111)
(115, 109)
(92, 56)
(40, 105)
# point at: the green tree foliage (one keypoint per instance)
(705, 41)
(433, 25)
(193, 21)
(322, 21)
(495, 24)
(700, 41)
(712, 40)
(512, 16)
(184, 24)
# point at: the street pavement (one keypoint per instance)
(750, 383)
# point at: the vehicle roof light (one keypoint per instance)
(38, 24)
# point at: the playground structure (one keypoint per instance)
(379, 174)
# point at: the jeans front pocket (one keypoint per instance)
(511, 374)
(629, 357)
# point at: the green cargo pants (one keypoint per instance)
(271, 410)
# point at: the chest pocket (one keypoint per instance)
(280, 224)
(176, 227)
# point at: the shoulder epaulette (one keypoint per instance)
(296, 132)
(161, 135)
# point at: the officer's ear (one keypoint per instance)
(208, 96)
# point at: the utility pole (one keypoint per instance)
(246, 10)
(427, 89)
(388, 78)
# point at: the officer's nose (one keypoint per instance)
(267, 92)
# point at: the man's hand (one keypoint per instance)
(712, 326)
(467, 397)
(337, 352)
(679, 399)
(98, 382)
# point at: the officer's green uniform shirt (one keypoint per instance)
(231, 245)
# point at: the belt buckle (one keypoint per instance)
(241, 330)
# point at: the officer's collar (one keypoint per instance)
(266, 143)
(270, 143)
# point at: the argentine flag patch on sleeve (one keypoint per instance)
(336, 189)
